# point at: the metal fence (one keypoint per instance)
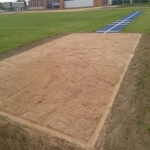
(118, 2)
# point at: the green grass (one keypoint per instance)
(140, 24)
(148, 129)
(143, 84)
(18, 29)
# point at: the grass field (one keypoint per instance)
(21, 28)
(130, 124)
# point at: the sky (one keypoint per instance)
(9, 0)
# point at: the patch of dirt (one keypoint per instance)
(129, 127)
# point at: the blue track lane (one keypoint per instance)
(118, 25)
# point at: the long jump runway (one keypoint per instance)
(58, 95)
(118, 25)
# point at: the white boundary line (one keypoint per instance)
(121, 22)
(113, 31)
(119, 25)
(118, 22)
(104, 31)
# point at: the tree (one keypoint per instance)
(1, 6)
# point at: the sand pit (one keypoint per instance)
(65, 88)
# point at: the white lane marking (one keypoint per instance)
(100, 31)
(104, 31)
(121, 22)
(113, 31)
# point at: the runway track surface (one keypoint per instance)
(118, 25)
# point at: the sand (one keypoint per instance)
(66, 85)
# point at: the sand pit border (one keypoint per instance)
(97, 136)
(50, 131)
(95, 140)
